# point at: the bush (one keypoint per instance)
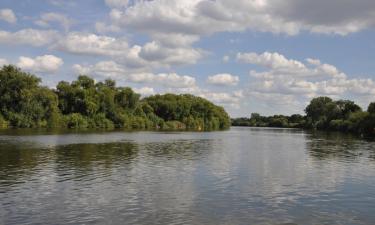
(3, 123)
(75, 120)
(174, 125)
(100, 121)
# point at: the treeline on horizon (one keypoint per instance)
(322, 113)
(84, 103)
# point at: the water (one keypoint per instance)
(241, 176)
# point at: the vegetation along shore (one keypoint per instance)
(84, 103)
(322, 113)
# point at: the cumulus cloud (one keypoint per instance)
(3, 62)
(274, 61)
(279, 65)
(232, 99)
(110, 69)
(47, 18)
(44, 64)
(103, 27)
(202, 17)
(31, 37)
(223, 79)
(8, 16)
(145, 91)
(226, 58)
(104, 69)
(91, 44)
(164, 79)
(164, 55)
(154, 54)
(295, 79)
(117, 3)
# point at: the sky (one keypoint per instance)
(264, 56)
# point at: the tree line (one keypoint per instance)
(84, 103)
(322, 113)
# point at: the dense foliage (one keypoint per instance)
(194, 112)
(256, 120)
(322, 113)
(84, 103)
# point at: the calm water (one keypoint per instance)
(241, 176)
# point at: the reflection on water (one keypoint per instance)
(325, 146)
(241, 176)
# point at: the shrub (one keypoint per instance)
(75, 120)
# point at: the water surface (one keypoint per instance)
(240, 176)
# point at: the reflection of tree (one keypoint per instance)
(83, 158)
(179, 149)
(331, 145)
(17, 162)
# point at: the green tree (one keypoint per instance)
(371, 108)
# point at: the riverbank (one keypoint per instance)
(85, 103)
(323, 114)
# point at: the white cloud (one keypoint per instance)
(226, 58)
(31, 37)
(164, 79)
(3, 62)
(110, 69)
(232, 99)
(117, 3)
(175, 39)
(46, 63)
(202, 17)
(102, 27)
(103, 69)
(223, 79)
(274, 61)
(145, 91)
(279, 65)
(151, 55)
(91, 44)
(8, 16)
(47, 18)
(164, 55)
(296, 80)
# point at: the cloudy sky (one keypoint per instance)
(266, 56)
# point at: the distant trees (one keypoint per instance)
(322, 113)
(294, 121)
(84, 103)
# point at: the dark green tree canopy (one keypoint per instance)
(195, 111)
(371, 108)
(85, 103)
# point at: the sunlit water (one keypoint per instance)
(241, 176)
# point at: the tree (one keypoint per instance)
(23, 102)
(347, 107)
(371, 108)
(83, 103)
(322, 110)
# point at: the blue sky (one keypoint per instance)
(263, 56)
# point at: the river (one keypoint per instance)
(240, 176)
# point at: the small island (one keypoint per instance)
(84, 103)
